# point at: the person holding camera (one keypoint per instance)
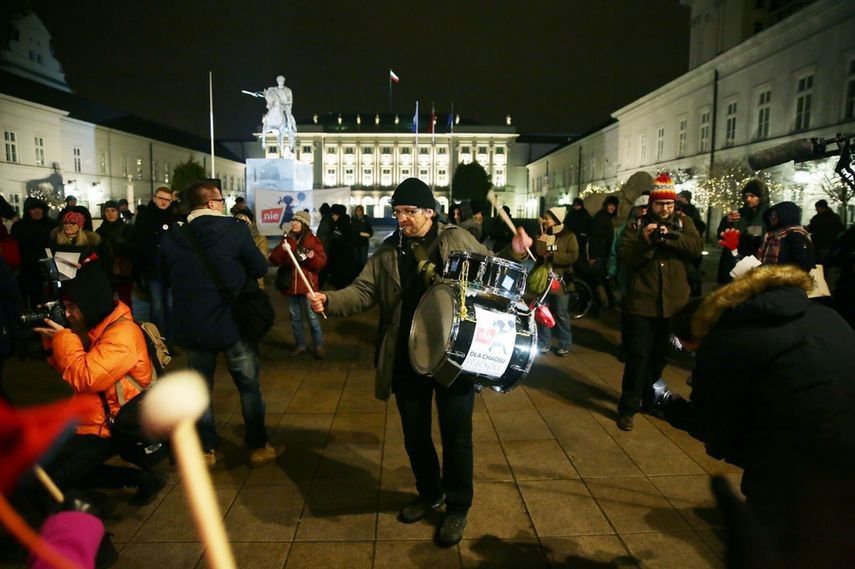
(784, 412)
(97, 348)
(654, 250)
(559, 247)
(309, 253)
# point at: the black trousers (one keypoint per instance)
(414, 396)
(79, 464)
(645, 343)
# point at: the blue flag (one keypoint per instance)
(416, 119)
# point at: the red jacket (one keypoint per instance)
(311, 266)
(117, 348)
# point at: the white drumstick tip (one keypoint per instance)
(179, 396)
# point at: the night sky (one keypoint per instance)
(557, 66)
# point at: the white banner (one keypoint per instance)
(274, 209)
(492, 344)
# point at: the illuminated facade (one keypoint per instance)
(790, 81)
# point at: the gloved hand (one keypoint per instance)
(729, 239)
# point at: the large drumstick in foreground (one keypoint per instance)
(300, 271)
(509, 223)
(172, 407)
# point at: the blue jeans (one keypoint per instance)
(243, 364)
(295, 306)
(161, 307)
(558, 304)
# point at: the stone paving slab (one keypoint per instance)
(556, 483)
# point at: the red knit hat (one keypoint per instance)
(74, 217)
(663, 189)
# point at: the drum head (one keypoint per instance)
(432, 328)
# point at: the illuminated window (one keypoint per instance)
(348, 177)
(628, 156)
(730, 124)
(499, 177)
(764, 99)
(330, 177)
(124, 166)
(642, 155)
(682, 134)
(40, 150)
(139, 169)
(660, 143)
(307, 149)
(386, 177)
(102, 163)
(78, 160)
(804, 100)
(704, 132)
(10, 140)
(166, 173)
(367, 177)
(405, 173)
(367, 150)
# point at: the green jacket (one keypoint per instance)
(656, 274)
(566, 252)
(380, 283)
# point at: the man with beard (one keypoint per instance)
(395, 278)
(654, 250)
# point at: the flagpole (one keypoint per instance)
(451, 158)
(390, 90)
(211, 105)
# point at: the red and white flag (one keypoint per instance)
(392, 77)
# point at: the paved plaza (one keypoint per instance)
(556, 483)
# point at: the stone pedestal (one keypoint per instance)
(274, 188)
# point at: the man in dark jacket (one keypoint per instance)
(394, 278)
(578, 221)
(203, 321)
(688, 209)
(599, 249)
(654, 250)
(773, 392)
(824, 228)
(32, 232)
(148, 229)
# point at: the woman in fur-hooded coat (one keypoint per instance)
(774, 393)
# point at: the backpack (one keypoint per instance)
(155, 343)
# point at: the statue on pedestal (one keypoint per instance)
(278, 119)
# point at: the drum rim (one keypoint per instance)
(455, 329)
(494, 258)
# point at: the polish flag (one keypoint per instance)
(393, 77)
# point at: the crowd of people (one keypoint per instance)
(793, 402)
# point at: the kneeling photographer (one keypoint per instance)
(98, 349)
(774, 393)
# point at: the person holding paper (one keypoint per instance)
(71, 237)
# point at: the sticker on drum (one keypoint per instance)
(492, 343)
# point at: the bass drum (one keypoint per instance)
(492, 342)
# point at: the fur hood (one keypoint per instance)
(738, 295)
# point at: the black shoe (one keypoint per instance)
(624, 422)
(450, 532)
(107, 554)
(418, 509)
(151, 483)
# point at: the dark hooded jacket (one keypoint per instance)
(201, 317)
(786, 242)
(33, 236)
(602, 232)
(774, 392)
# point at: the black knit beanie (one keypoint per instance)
(413, 192)
(92, 292)
(754, 186)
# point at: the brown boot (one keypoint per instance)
(320, 353)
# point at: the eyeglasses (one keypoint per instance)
(410, 212)
(163, 199)
(664, 204)
(217, 200)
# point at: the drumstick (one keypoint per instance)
(49, 484)
(300, 270)
(510, 225)
(172, 406)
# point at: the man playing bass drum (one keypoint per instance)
(396, 276)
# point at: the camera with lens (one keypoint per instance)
(662, 233)
(55, 310)
(301, 254)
